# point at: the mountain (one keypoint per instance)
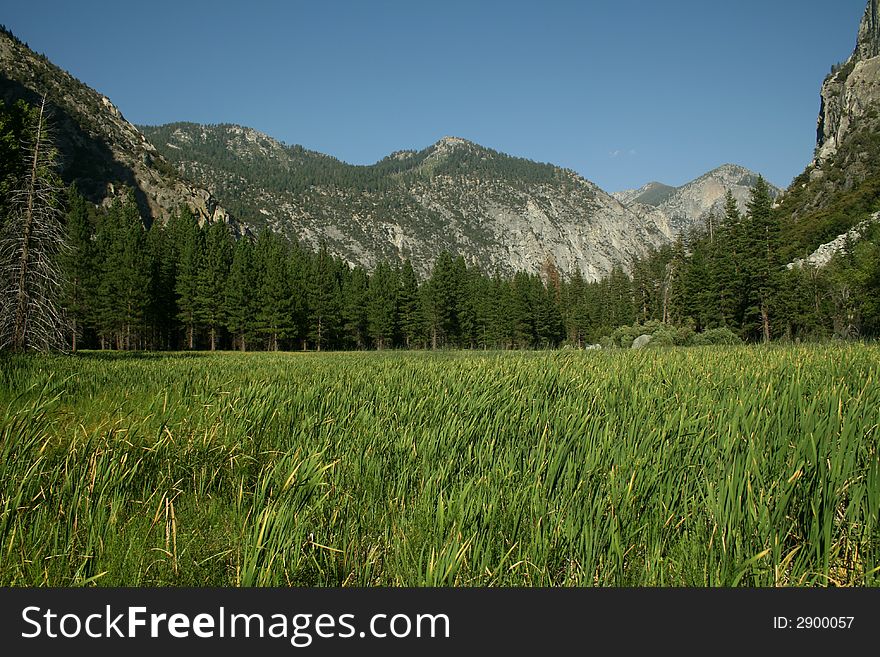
(99, 150)
(500, 212)
(653, 193)
(689, 206)
(841, 186)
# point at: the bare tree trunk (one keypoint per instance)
(765, 322)
(21, 312)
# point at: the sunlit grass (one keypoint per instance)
(694, 467)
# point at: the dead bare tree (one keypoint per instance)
(31, 239)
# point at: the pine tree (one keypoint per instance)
(79, 265)
(162, 311)
(522, 310)
(324, 299)
(412, 317)
(354, 307)
(299, 268)
(440, 301)
(211, 280)
(498, 325)
(275, 317)
(620, 298)
(190, 248)
(549, 326)
(762, 256)
(238, 298)
(16, 131)
(124, 279)
(575, 316)
(467, 303)
(382, 306)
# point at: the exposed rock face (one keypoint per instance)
(839, 188)
(99, 150)
(850, 94)
(868, 44)
(501, 213)
(825, 252)
(690, 205)
(642, 341)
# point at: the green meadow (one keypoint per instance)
(713, 466)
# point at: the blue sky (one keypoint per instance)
(621, 92)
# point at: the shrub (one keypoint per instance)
(716, 336)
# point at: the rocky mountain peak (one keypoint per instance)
(452, 142)
(868, 43)
(851, 93)
(449, 145)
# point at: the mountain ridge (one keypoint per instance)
(501, 212)
(100, 151)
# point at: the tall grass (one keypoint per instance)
(738, 466)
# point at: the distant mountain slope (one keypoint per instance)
(99, 150)
(653, 193)
(501, 212)
(689, 206)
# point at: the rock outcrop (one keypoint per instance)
(850, 94)
(825, 252)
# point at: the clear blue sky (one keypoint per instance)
(621, 92)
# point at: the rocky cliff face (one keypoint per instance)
(99, 150)
(868, 43)
(841, 186)
(690, 205)
(500, 212)
(851, 93)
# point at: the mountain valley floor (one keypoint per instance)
(705, 466)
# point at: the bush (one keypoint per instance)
(665, 335)
(623, 336)
(716, 336)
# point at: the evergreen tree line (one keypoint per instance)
(734, 274)
(185, 286)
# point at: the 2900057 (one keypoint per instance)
(824, 622)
